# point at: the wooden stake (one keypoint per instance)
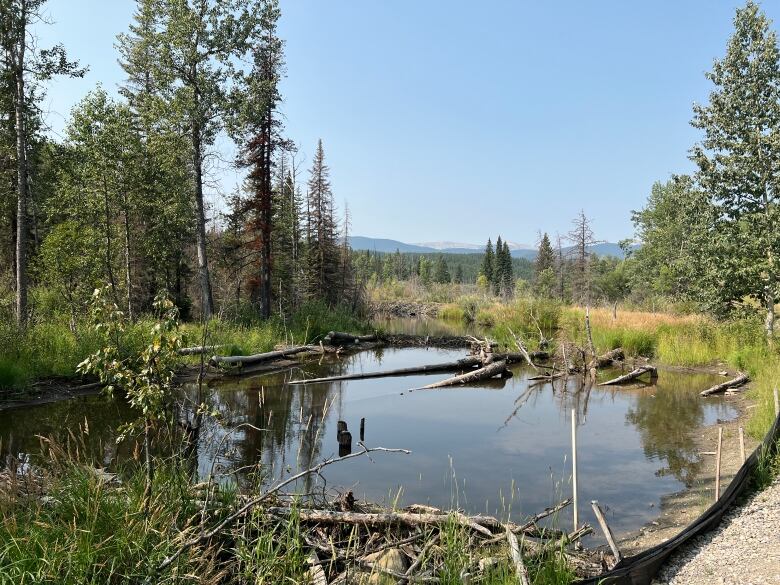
(362, 429)
(574, 465)
(717, 464)
(777, 404)
(607, 532)
(742, 443)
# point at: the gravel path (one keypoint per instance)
(743, 550)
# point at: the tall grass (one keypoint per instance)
(50, 348)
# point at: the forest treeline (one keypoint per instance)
(123, 197)
(708, 240)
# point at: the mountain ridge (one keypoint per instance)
(388, 245)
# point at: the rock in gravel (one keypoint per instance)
(743, 550)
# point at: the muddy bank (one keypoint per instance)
(679, 509)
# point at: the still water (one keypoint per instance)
(501, 447)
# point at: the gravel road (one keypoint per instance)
(743, 550)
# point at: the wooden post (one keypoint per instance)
(345, 443)
(742, 443)
(574, 465)
(777, 403)
(717, 464)
(362, 429)
(341, 426)
(607, 532)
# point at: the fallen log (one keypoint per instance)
(740, 380)
(378, 519)
(604, 361)
(198, 349)
(457, 366)
(261, 357)
(491, 370)
(514, 553)
(633, 375)
(340, 338)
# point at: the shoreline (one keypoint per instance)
(678, 509)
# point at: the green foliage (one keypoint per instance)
(737, 163)
(146, 376)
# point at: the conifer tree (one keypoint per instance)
(459, 274)
(487, 263)
(507, 272)
(322, 249)
(499, 265)
(545, 257)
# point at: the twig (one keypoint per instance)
(517, 558)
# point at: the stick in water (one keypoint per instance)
(574, 464)
(717, 464)
(606, 530)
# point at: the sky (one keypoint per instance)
(458, 120)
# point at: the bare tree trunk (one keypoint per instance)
(21, 169)
(266, 213)
(203, 263)
(128, 275)
(109, 267)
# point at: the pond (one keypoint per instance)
(497, 448)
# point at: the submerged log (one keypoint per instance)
(633, 375)
(460, 365)
(740, 380)
(493, 369)
(261, 357)
(340, 338)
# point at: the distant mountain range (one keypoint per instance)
(517, 250)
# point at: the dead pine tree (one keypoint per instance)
(582, 239)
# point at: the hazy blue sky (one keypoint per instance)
(455, 120)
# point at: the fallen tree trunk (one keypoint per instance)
(633, 375)
(198, 349)
(460, 365)
(604, 361)
(261, 357)
(378, 519)
(740, 380)
(491, 370)
(340, 338)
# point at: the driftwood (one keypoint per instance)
(379, 519)
(633, 375)
(198, 349)
(262, 357)
(740, 380)
(491, 370)
(604, 361)
(459, 365)
(517, 558)
(340, 338)
(607, 531)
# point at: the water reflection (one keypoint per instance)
(499, 447)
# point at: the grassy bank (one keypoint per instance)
(667, 338)
(64, 523)
(50, 347)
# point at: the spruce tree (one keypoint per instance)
(487, 263)
(545, 257)
(459, 274)
(499, 266)
(506, 272)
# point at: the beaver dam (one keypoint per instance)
(499, 447)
